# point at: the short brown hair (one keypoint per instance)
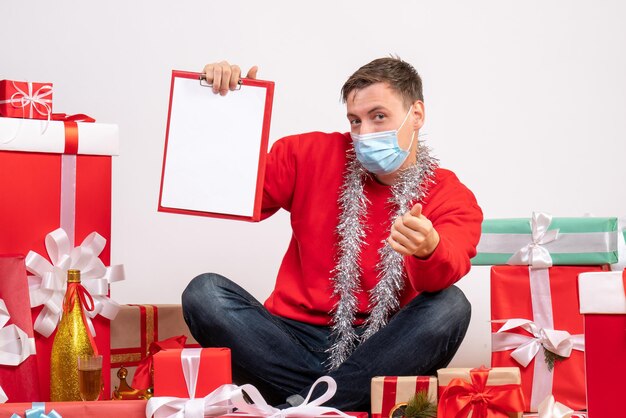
(398, 74)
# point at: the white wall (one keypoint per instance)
(526, 101)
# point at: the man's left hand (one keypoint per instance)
(413, 234)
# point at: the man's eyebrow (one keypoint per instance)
(372, 110)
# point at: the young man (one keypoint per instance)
(380, 234)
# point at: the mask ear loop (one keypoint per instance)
(412, 135)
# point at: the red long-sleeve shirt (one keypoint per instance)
(304, 175)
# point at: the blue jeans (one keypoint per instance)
(283, 357)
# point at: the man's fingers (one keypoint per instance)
(252, 72)
(403, 240)
(208, 73)
(416, 210)
(397, 247)
(234, 77)
(217, 78)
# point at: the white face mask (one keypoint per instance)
(379, 152)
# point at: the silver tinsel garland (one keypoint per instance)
(410, 188)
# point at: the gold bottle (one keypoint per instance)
(71, 340)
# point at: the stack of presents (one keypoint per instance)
(558, 311)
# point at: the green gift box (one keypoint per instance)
(543, 241)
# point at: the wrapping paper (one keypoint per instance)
(21, 382)
(508, 378)
(136, 327)
(169, 379)
(603, 302)
(569, 241)
(97, 409)
(550, 300)
(39, 192)
(50, 137)
(23, 99)
(388, 392)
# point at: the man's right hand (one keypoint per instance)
(224, 76)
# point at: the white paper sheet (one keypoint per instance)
(213, 149)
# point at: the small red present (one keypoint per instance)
(177, 372)
(389, 393)
(603, 303)
(23, 99)
(538, 328)
(18, 363)
(480, 393)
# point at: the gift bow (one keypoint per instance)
(142, 378)
(35, 101)
(15, 346)
(526, 348)
(549, 408)
(49, 280)
(227, 397)
(534, 254)
(38, 411)
(460, 398)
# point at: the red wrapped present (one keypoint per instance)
(41, 189)
(18, 364)
(389, 393)
(137, 328)
(480, 393)
(603, 303)
(177, 372)
(23, 99)
(96, 409)
(542, 332)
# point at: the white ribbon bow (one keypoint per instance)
(224, 399)
(49, 280)
(526, 348)
(15, 346)
(549, 408)
(534, 254)
(30, 99)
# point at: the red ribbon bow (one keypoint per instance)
(143, 375)
(71, 129)
(460, 398)
(78, 291)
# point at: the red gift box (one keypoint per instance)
(481, 393)
(213, 370)
(389, 393)
(23, 99)
(548, 299)
(40, 191)
(603, 303)
(96, 409)
(19, 382)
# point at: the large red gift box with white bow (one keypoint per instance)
(57, 178)
(537, 327)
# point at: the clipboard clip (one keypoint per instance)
(204, 83)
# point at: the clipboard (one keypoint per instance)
(215, 148)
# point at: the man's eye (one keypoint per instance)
(379, 116)
(355, 122)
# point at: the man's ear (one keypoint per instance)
(419, 115)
